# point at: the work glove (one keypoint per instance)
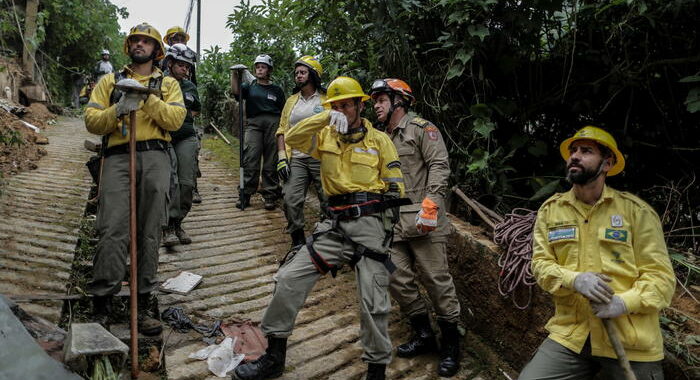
(339, 121)
(426, 219)
(129, 101)
(246, 76)
(594, 287)
(283, 168)
(614, 309)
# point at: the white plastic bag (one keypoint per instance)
(220, 358)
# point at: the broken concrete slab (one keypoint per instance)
(90, 339)
(21, 357)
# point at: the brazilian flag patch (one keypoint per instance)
(618, 235)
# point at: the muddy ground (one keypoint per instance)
(20, 147)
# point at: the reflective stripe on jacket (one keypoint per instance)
(153, 121)
(620, 236)
(370, 164)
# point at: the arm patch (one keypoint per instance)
(393, 164)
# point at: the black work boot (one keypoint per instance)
(449, 352)
(148, 323)
(243, 201)
(196, 198)
(101, 310)
(270, 204)
(298, 237)
(182, 236)
(423, 340)
(169, 237)
(376, 371)
(268, 366)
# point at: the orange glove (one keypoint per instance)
(426, 219)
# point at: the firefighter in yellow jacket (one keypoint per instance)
(361, 173)
(107, 114)
(601, 254)
(298, 170)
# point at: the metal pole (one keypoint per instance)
(133, 285)
(199, 19)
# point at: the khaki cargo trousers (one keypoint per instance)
(153, 180)
(426, 261)
(556, 362)
(185, 166)
(260, 145)
(298, 275)
(305, 171)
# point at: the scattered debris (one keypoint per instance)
(251, 341)
(221, 358)
(91, 339)
(151, 362)
(183, 283)
(178, 320)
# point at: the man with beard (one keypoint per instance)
(107, 114)
(601, 254)
(303, 170)
(420, 236)
(185, 145)
(263, 106)
(361, 173)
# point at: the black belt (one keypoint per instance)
(141, 146)
(354, 198)
(353, 211)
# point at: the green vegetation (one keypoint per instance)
(224, 153)
(70, 37)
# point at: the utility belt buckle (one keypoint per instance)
(353, 209)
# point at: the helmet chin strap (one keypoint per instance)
(598, 173)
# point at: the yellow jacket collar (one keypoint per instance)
(570, 196)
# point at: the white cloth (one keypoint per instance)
(302, 109)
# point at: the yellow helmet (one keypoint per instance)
(145, 29)
(312, 63)
(174, 30)
(344, 88)
(600, 136)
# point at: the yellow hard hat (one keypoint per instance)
(312, 63)
(344, 88)
(600, 136)
(174, 30)
(145, 29)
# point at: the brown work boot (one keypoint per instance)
(147, 322)
(182, 235)
(169, 237)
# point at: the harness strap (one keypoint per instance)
(366, 208)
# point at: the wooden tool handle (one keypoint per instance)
(619, 350)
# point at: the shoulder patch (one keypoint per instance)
(432, 132)
(634, 199)
(419, 121)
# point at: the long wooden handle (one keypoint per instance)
(619, 350)
(133, 285)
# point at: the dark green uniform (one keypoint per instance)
(186, 148)
(264, 105)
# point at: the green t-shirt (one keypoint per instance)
(261, 99)
(191, 96)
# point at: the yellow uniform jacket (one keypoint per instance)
(286, 113)
(370, 164)
(153, 121)
(620, 236)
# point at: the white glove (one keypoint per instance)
(130, 101)
(614, 309)
(594, 287)
(339, 121)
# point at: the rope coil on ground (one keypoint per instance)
(514, 234)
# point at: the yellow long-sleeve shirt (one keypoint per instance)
(370, 164)
(153, 120)
(620, 236)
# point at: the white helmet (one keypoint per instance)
(180, 52)
(263, 58)
(105, 51)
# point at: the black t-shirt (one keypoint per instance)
(261, 99)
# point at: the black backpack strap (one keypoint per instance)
(116, 94)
